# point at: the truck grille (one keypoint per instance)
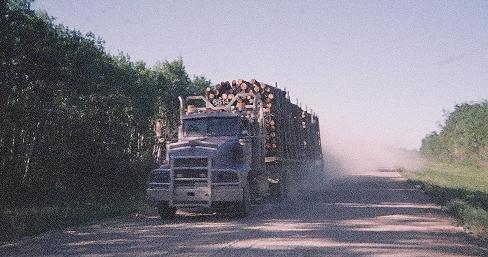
(194, 184)
(191, 181)
(190, 173)
(190, 162)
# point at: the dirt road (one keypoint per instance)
(379, 214)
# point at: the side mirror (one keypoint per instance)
(244, 137)
(245, 133)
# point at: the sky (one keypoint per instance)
(376, 72)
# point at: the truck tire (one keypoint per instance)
(277, 192)
(243, 208)
(166, 212)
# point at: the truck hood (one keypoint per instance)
(225, 152)
(197, 141)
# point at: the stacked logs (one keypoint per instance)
(225, 91)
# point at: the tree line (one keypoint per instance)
(463, 137)
(77, 122)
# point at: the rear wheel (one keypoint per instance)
(243, 208)
(166, 212)
(278, 191)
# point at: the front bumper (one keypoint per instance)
(195, 196)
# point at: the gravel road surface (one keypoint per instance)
(378, 214)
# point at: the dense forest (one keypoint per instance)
(77, 122)
(463, 137)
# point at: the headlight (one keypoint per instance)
(224, 176)
(159, 176)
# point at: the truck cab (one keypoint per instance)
(210, 165)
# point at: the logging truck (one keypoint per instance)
(240, 142)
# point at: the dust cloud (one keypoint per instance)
(350, 154)
(346, 156)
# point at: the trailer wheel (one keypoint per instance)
(243, 208)
(277, 191)
(166, 212)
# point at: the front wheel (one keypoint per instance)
(166, 212)
(243, 208)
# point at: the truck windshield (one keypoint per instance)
(210, 127)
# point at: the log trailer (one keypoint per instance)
(241, 142)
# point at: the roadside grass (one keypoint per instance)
(28, 221)
(462, 189)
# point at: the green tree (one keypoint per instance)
(77, 122)
(463, 137)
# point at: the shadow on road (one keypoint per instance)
(350, 216)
